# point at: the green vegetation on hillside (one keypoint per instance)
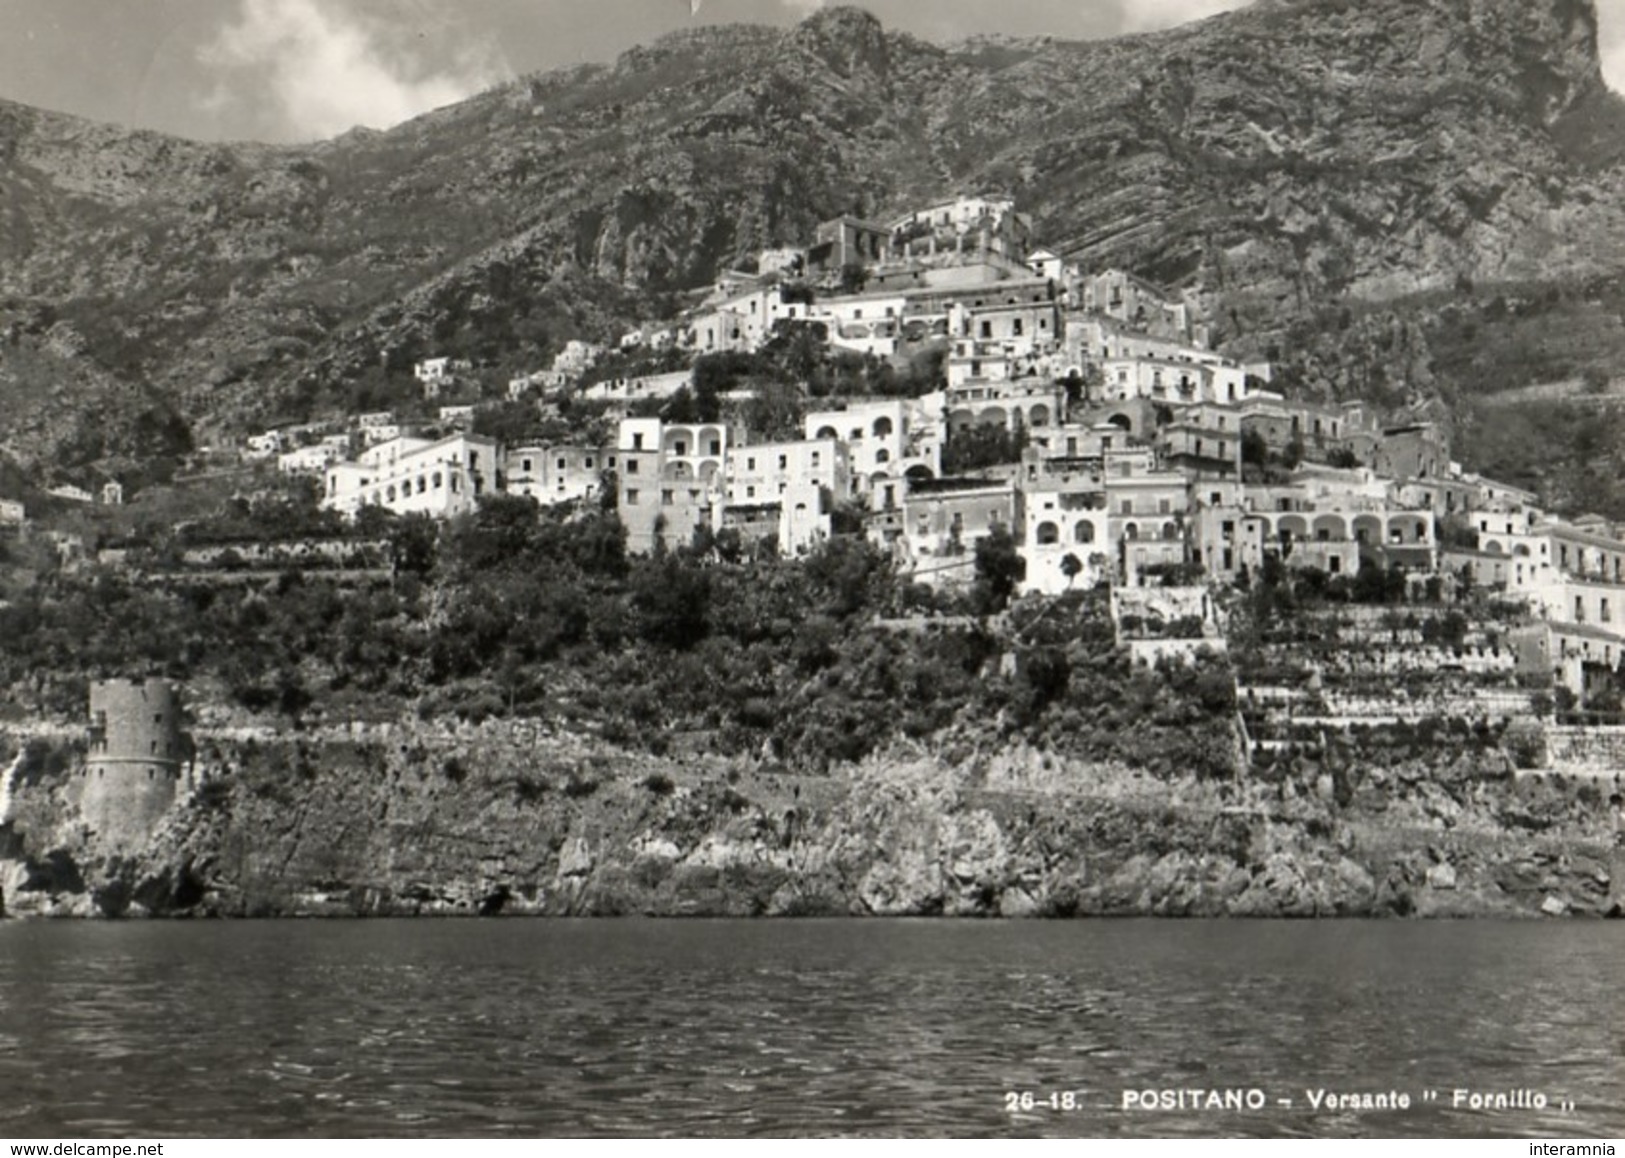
(721, 645)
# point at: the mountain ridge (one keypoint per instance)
(1289, 157)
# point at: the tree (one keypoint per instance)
(511, 423)
(975, 448)
(412, 544)
(854, 276)
(999, 568)
(1254, 450)
(1071, 567)
(673, 600)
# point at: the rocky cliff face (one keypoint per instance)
(1284, 156)
(489, 820)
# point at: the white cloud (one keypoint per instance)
(328, 71)
(1149, 15)
(1611, 41)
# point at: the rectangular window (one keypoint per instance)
(631, 466)
(680, 449)
(631, 498)
(750, 464)
(524, 466)
(1127, 507)
(637, 442)
(716, 448)
(784, 462)
(563, 464)
(667, 498)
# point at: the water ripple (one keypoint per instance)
(633, 1028)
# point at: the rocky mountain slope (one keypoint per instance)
(1292, 157)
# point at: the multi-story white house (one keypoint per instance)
(766, 472)
(558, 474)
(688, 450)
(411, 475)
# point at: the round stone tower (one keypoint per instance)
(133, 771)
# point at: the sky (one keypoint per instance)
(301, 70)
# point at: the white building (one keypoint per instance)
(1048, 264)
(688, 450)
(960, 214)
(1062, 522)
(310, 459)
(767, 472)
(265, 445)
(636, 389)
(558, 474)
(410, 475)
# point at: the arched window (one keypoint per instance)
(1048, 534)
(1084, 532)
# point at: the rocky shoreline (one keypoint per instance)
(504, 820)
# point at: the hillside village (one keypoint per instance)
(535, 506)
(1079, 419)
(1125, 450)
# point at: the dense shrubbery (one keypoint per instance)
(517, 611)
